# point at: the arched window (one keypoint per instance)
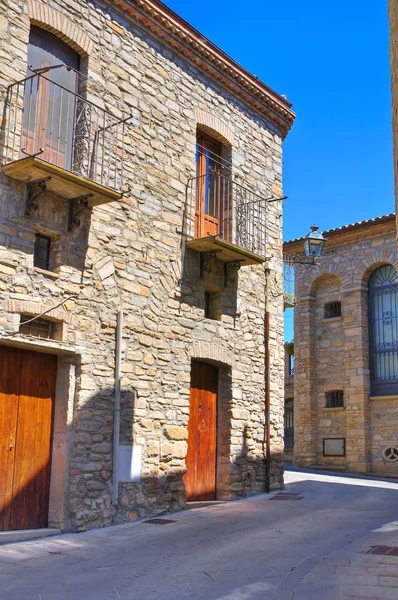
(383, 331)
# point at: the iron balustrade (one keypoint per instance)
(59, 126)
(219, 206)
(288, 279)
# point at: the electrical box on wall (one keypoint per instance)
(130, 464)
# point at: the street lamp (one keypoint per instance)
(313, 244)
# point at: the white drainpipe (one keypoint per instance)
(116, 409)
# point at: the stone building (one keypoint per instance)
(137, 161)
(346, 351)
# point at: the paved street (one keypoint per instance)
(309, 548)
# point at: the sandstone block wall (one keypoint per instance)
(333, 353)
(131, 256)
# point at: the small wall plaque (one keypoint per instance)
(333, 446)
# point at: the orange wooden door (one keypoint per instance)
(27, 392)
(208, 214)
(200, 478)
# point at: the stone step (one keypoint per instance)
(22, 535)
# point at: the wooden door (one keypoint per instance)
(200, 478)
(27, 391)
(49, 100)
(208, 214)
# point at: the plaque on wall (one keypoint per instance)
(333, 446)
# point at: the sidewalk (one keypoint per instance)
(353, 572)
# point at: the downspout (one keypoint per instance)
(267, 385)
(116, 408)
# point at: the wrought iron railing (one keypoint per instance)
(218, 206)
(63, 128)
(288, 279)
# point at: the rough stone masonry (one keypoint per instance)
(130, 255)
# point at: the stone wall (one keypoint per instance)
(131, 256)
(333, 353)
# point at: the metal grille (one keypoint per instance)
(384, 550)
(287, 496)
(288, 280)
(61, 127)
(38, 328)
(41, 257)
(332, 310)
(289, 423)
(159, 521)
(334, 399)
(383, 330)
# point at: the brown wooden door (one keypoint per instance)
(200, 478)
(27, 391)
(48, 120)
(208, 214)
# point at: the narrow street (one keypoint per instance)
(310, 546)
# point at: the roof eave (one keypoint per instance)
(166, 24)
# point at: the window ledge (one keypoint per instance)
(331, 319)
(390, 397)
(334, 408)
(47, 273)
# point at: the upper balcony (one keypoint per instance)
(60, 141)
(289, 298)
(226, 219)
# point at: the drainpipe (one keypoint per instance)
(116, 408)
(267, 384)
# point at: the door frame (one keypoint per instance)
(62, 428)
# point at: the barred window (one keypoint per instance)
(332, 310)
(41, 328)
(334, 399)
(383, 331)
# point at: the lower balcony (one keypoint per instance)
(58, 141)
(229, 220)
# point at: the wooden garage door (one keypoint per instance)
(200, 478)
(27, 391)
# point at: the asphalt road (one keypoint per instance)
(302, 548)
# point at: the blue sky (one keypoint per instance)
(331, 60)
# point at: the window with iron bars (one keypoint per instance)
(334, 399)
(41, 328)
(332, 310)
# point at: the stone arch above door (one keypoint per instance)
(214, 126)
(211, 352)
(61, 26)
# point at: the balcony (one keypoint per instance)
(289, 298)
(225, 219)
(58, 141)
